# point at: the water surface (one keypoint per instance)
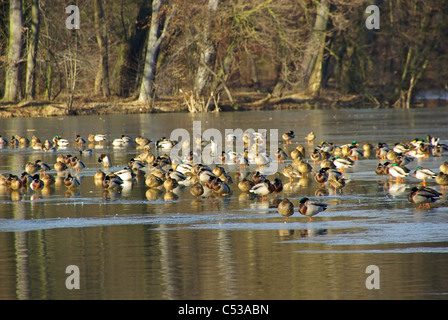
(136, 244)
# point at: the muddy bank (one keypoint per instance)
(252, 101)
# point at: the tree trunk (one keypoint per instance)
(102, 76)
(12, 85)
(313, 60)
(124, 79)
(204, 77)
(155, 39)
(32, 51)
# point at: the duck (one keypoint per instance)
(48, 179)
(111, 182)
(442, 179)
(343, 163)
(80, 141)
(170, 184)
(205, 174)
(286, 208)
(37, 184)
(32, 167)
(142, 142)
(97, 137)
(87, 152)
(197, 190)
(297, 153)
(315, 156)
(105, 160)
(321, 176)
(305, 168)
(337, 182)
(423, 196)
(278, 186)
(60, 166)
(263, 189)
(153, 181)
(3, 141)
(310, 208)
(71, 182)
(126, 174)
(165, 143)
(290, 172)
(262, 159)
(221, 187)
(310, 137)
(288, 136)
(399, 172)
(77, 163)
(444, 167)
(26, 178)
(14, 182)
(382, 168)
(245, 184)
(99, 175)
(424, 174)
(281, 155)
(60, 142)
(258, 177)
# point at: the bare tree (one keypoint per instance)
(33, 43)
(157, 33)
(12, 85)
(102, 76)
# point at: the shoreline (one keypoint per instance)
(253, 102)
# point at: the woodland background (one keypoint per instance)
(202, 54)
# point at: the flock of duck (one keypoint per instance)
(325, 163)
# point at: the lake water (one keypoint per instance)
(137, 244)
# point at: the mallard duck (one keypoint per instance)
(126, 174)
(400, 148)
(423, 196)
(310, 208)
(278, 185)
(86, 152)
(444, 167)
(60, 166)
(37, 184)
(23, 141)
(71, 182)
(26, 178)
(197, 190)
(3, 142)
(48, 180)
(442, 179)
(112, 181)
(424, 174)
(286, 208)
(367, 150)
(399, 172)
(245, 185)
(60, 142)
(296, 153)
(170, 184)
(77, 164)
(321, 176)
(165, 143)
(337, 182)
(80, 141)
(343, 163)
(315, 156)
(205, 174)
(153, 181)
(382, 169)
(310, 137)
(99, 175)
(288, 136)
(221, 187)
(14, 182)
(218, 171)
(105, 160)
(258, 177)
(290, 172)
(281, 155)
(305, 168)
(32, 167)
(262, 159)
(263, 189)
(381, 150)
(97, 137)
